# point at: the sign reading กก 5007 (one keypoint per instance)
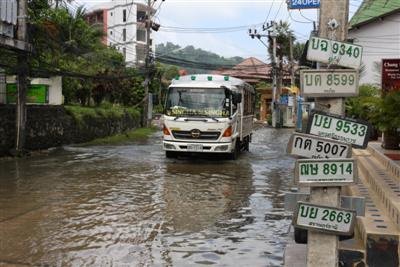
(334, 52)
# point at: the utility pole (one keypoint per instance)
(322, 248)
(273, 35)
(292, 80)
(145, 118)
(22, 81)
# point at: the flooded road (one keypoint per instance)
(130, 206)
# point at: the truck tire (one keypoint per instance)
(235, 154)
(170, 154)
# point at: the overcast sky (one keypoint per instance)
(222, 14)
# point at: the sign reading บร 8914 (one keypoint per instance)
(325, 172)
(346, 130)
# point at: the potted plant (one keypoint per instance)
(366, 106)
(388, 120)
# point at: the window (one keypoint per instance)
(141, 15)
(124, 52)
(124, 35)
(111, 14)
(124, 15)
(141, 35)
(110, 32)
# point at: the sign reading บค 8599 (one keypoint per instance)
(347, 130)
(329, 83)
(302, 4)
(334, 52)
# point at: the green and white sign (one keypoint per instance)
(36, 94)
(325, 219)
(314, 147)
(334, 52)
(329, 83)
(325, 172)
(346, 130)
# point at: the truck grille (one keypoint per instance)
(202, 136)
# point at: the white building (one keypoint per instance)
(123, 23)
(376, 27)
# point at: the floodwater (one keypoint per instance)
(130, 206)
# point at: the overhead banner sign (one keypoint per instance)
(331, 220)
(325, 172)
(347, 130)
(314, 147)
(334, 52)
(390, 75)
(303, 4)
(329, 83)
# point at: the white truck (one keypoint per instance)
(208, 114)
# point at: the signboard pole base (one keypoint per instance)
(322, 248)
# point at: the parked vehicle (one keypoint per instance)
(208, 114)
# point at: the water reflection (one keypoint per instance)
(129, 206)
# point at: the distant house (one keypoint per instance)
(376, 27)
(253, 71)
(124, 26)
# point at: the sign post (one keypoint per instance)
(324, 219)
(329, 83)
(354, 132)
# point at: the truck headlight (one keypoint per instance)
(169, 146)
(221, 148)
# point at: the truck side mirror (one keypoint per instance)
(237, 98)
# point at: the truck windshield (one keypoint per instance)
(210, 102)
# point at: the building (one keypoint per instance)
(376, 27)
(254, 71)
(124, 26)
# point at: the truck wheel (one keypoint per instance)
(235, 154)
(170, 154)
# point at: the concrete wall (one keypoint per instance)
(380, 39)
(52, 126)
(55, 88)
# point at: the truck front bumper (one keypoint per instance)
(220, 147)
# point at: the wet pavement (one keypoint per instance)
(130, 206)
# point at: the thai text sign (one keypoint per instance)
(329, 83)
(326, 219)
(343, 129)
(302, 4)
(325, 172)
(36, 94)
(390, 75)
(311, 146)
(334, 52)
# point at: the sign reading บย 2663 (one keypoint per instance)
(334, 52)
(302, 4)
(329, 83)
(346, 130)
(325, 172)
(326, 219)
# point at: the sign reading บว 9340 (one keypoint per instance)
(347, 130)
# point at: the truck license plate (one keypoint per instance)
(195, 147)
